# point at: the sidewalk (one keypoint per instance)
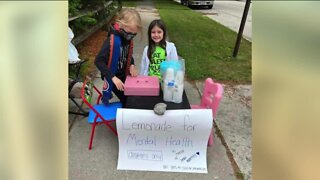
(233, 121)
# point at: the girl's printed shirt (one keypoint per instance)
(158, 56)
(171, 54)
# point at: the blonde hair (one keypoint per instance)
(129, 17)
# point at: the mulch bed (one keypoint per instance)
(88, 50)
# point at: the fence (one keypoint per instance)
(89, 21)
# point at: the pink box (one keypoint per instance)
(141, 86)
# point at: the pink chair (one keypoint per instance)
(212, 94)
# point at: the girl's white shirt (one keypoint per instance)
(171, 55)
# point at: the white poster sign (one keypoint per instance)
(176, 141)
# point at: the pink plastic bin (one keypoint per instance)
(142, 86)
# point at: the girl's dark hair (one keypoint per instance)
(162, 43)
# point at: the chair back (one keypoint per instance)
(87, 91)
(99, 113)
(212, 94)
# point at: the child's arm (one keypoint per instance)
(132, 61)
(144, 63)
(102, 58)
(133, 70)
(174, 54)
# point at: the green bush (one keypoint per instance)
(83, 24)
(88, 21)
(74, 7)
(89, 3)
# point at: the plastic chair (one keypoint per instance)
(99, 113)
(212, 94)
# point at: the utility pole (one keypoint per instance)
(243, 22)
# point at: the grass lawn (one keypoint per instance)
(205, 45)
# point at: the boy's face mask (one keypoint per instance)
(127, 35)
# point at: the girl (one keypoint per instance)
(158, 49)
(115, 60)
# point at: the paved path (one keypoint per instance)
(234, 120)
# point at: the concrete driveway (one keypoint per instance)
(229, 14)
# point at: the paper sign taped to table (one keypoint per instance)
(176, 141)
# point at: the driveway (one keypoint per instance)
(229, 14)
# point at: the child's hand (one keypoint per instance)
(133, 70)
(119, 84)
